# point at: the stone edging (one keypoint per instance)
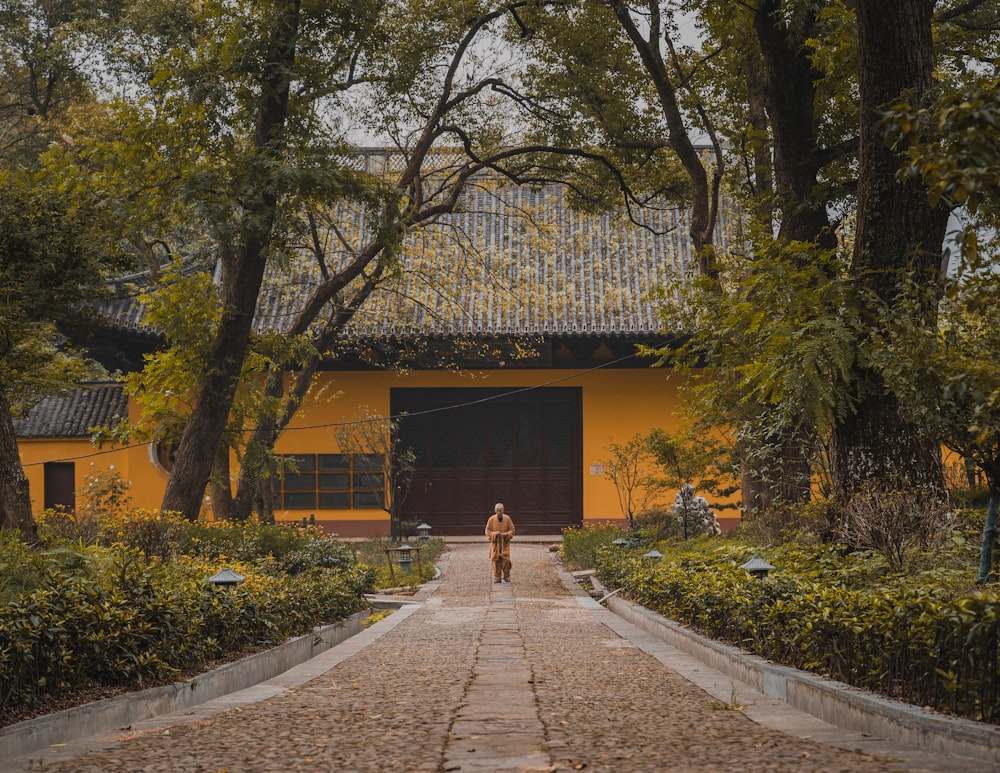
(829, 700)
(34, 735)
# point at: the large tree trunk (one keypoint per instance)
(222, 493)
(242, 273)
(776, 470)
(15, 498)
(898, 233)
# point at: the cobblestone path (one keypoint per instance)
(482, 677)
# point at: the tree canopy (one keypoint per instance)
(228, 132)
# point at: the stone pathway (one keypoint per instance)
(481, 677)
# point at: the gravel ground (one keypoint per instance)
(602, 704)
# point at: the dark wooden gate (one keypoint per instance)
(59, 485)
(475, 447)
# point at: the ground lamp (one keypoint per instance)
(425, 532)
(621, 542)
(758, 567)
(227, 578)
(653, 554)
(405, 556)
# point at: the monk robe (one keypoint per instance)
(499, 530)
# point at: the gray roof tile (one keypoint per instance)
(514, 261)
(73, 414)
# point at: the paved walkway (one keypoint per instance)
(483, 677)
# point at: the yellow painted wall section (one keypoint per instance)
(616, 404)
(87, 460)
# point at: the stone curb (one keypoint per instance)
(40, 733)
(829, 700)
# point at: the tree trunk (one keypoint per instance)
(15, 498)
(242, 273)
(791, 104)
(703, 206)
(250, 486)
(989, 537)
(249, 491)
(761, 178)
(775, 471)
(222, 494)
(878, 443)
(898, 233)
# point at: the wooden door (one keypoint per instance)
(476, 447)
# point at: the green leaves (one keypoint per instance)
(109, 616)
(911, 638)
(782, 331)
(953, 146)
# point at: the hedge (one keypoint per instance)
(111, 617)
(900, 638)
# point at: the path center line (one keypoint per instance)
(498, 727)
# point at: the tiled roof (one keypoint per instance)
(121, 309)
(73, 414)
(514, 261)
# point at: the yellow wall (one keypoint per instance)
(87, 460)
(616, 404)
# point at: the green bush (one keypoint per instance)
(120, 598)
(317, 553)
(21, 568)
(924, 639)
(249, 540)
(655, 523)
(371, 553)
(581, 544)
(87, 616)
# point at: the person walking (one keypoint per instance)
(500, 531)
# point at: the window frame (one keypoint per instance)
(338, 482)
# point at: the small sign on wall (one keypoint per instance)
(597, 469)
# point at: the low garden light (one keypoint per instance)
(227, 578)
(405, 556)
(402, 557)
(758, 567)
(653, 555)
(621, 542)
(425, 532)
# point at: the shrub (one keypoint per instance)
(694, 514)
(58, 526)
(894, 523)
(689, 516)
(656, 523)
(582, 543)
(111, 617)
(317, 553)
(104, 493)
(21, 568)
(156, 534)
(840, 614)
(249, 540)
(812, 523)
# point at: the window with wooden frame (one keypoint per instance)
(330, 482)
